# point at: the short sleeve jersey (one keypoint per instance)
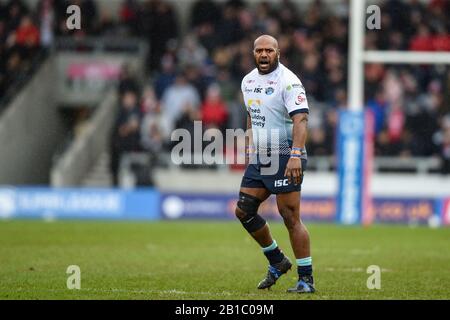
(271, 100)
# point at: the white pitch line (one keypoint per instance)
(358, 269)
(172, 291)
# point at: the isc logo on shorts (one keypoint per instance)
(281, 183)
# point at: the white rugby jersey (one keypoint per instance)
(271, 100)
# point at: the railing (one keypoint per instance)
(72, 167)
(417, 165)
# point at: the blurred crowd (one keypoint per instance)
(20, 41)
(196, 74)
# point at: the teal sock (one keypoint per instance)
(304, 267)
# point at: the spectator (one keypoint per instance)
(179, 98)
(15, 11)
(26, 37)
(227, 87)
(423, 40)
(196, 77)
(127, 82)
(167, 76)
(90, 15)
(186, 121)
(152, 140)
(229, 30)
(374, 74)
(237, 113)
(126, 131)
(191, 53)
(311, 75)
(107, 27)
(27, 34)
(288, 16)
(149, 102)
(214, 111)
(159, 26)
(46, 15)
(379, 107)
(441, 41)
(204, 12)
(130, 16)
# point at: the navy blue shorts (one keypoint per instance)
(275, 183)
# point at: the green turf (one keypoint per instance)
(214, 260)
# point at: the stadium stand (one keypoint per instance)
(21, 48)
(210, 51)
(410, 103)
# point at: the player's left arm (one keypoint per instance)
(294, 96)
(294, 169)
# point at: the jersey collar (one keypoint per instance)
(274, 72)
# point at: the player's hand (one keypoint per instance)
(294, 171)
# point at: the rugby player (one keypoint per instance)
(275, 100)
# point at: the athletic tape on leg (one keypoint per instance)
(249, 205)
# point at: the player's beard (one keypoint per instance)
(272, 66)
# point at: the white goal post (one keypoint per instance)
(355, 134)
(358, 56)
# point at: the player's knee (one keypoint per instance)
(239, 213)
(247, 212)
(290, 218)
(248, 203)
(291, 223)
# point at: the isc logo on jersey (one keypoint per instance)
(281, 183)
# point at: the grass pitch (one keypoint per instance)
(214, 260)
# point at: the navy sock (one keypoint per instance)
(304, 267)
(273, 253)
(304, 271)
(274, 256)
